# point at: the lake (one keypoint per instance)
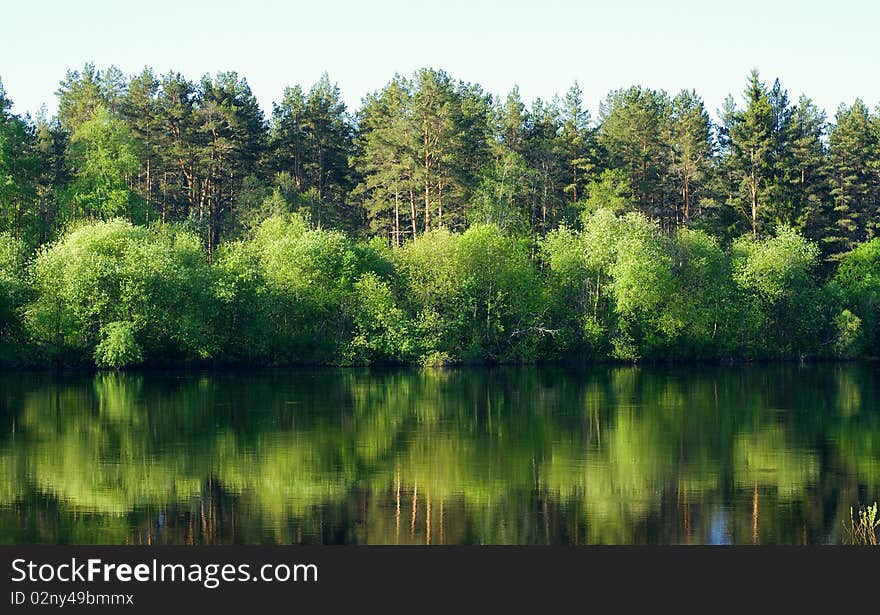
(510, 455)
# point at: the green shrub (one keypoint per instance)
(118, 346)
(156, 278)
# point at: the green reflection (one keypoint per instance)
(508, 455)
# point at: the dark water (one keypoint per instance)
(766, 454)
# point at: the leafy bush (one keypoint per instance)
(858, 281)
(848, 334)
(473, 296)
(13, 293)
(118, 346)
(155, 279)
(382, 331)
(783, 306)
(117, 295)
(290, 294)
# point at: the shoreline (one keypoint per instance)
(218, 366)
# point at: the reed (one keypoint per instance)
(862, 530)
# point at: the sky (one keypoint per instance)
(826, 50)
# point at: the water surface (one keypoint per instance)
(621, 455)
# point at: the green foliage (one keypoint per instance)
(705, 304)
(634, 123)
(103, 156)
(11, 279)
(427, 151)
(437, 225)
(751, 132)
(116, 295)
(848, 334)
(858, 281)
(153, 284)
(500, 196)
(311, 137)
(853, 148)
(622, 288)
(641, 284)
(293, 294)
(782, 302)
(571, 294)
(611, 191)
(382, 330)
(13, 294)
(118, 346)
(474, 295)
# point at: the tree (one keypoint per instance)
(433, 118)
(576, 144)
(783, 306)
(542, 156)
(858, 278)
(115, 294)
(81, 94)
(752, 144)
(433, 146)
(103, 156)
(13, 293)
(451, 124)
(177, 146)
(853, 148)
(311, 137)
(472, 296)
(809, 159)
(140, 108)
(385, 161)
(50, 147)
(634, 129)
(19, 170)
(691, 144)
(231, 131)
(503, 194)
(512, 120)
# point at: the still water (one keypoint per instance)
(621, 455)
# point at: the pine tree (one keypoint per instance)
(853, 148)
(19, 167)
(547, 199)
(691, 143)
(177, 144)
(79, 96)
(385, 160)
(232, 131)
(576, 143)
(809, 162)
(311, 137)
(752, 142)
(634, 130)
(140, 110)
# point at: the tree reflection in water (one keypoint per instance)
(766, 454)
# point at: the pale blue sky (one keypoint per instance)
(829, 50)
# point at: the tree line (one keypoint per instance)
(157, 218)
(114, 294)
(429, 151)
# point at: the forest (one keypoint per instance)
(155, 219)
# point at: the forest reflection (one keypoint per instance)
(620, 455)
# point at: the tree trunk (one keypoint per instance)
(427, 184)
(687, 199)
(412, 210)
(439, 202)
(754, 188)
(396, 219)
